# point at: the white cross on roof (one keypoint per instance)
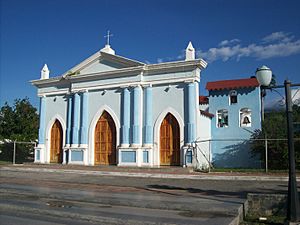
(107, 37)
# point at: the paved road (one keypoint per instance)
(58, 198)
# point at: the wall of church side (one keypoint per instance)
(203, 144)
(203, 125)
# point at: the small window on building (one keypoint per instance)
(245, 117)
(232, 97)
(222, 118)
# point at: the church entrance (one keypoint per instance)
(105, 140)
(56, 151)
(169, 141)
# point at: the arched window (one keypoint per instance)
(232, 97)
(222, 118)
(245, 117)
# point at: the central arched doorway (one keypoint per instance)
(56, 150)
(169, 141)
(105, 140)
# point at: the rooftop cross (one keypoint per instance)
(107, 37)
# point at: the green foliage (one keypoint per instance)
(18, 123)
(275, 127)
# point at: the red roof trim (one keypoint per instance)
(207, 114)
(203, 100)
(232, 84)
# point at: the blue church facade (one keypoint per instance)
(236, 105)
(113, 110)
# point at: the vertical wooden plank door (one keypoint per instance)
(169, 141)
(56, 151)
(105, 140)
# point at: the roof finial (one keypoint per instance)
(45, 72)
(108, 36)
(189, 52)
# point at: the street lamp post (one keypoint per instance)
(264, 76)
(293, 208)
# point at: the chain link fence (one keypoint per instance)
(17, 152)
(264, 154)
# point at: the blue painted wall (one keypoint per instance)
(234, 153)
(144, 106)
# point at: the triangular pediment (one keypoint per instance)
(101, 62)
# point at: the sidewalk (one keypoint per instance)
(165, 172)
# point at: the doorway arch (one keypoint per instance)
(56, 143)
(169, 141)
(105, 140)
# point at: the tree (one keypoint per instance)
(18, 123)
(275, 127)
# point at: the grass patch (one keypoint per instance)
(5, 162)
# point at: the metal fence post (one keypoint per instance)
(209, 149)
(14, 154)
(266, 154)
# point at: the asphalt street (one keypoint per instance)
(31, 197)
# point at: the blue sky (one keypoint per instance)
(235, 37)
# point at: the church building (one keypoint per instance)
(111, 110)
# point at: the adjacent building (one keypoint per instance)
(236, 105)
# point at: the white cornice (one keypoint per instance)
(143, 69)
(168, 65)
(53, 93)
(45, 81)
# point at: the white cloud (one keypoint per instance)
(278, 36)
(228, 42)
(278, 44)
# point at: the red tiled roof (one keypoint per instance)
(203, 99)
(232, 84)
(207, 114)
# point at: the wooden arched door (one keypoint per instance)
(56, 150)
(169, 141)
(105, 140)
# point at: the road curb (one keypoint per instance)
(151, 175)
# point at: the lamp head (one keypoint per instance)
(264, 76)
